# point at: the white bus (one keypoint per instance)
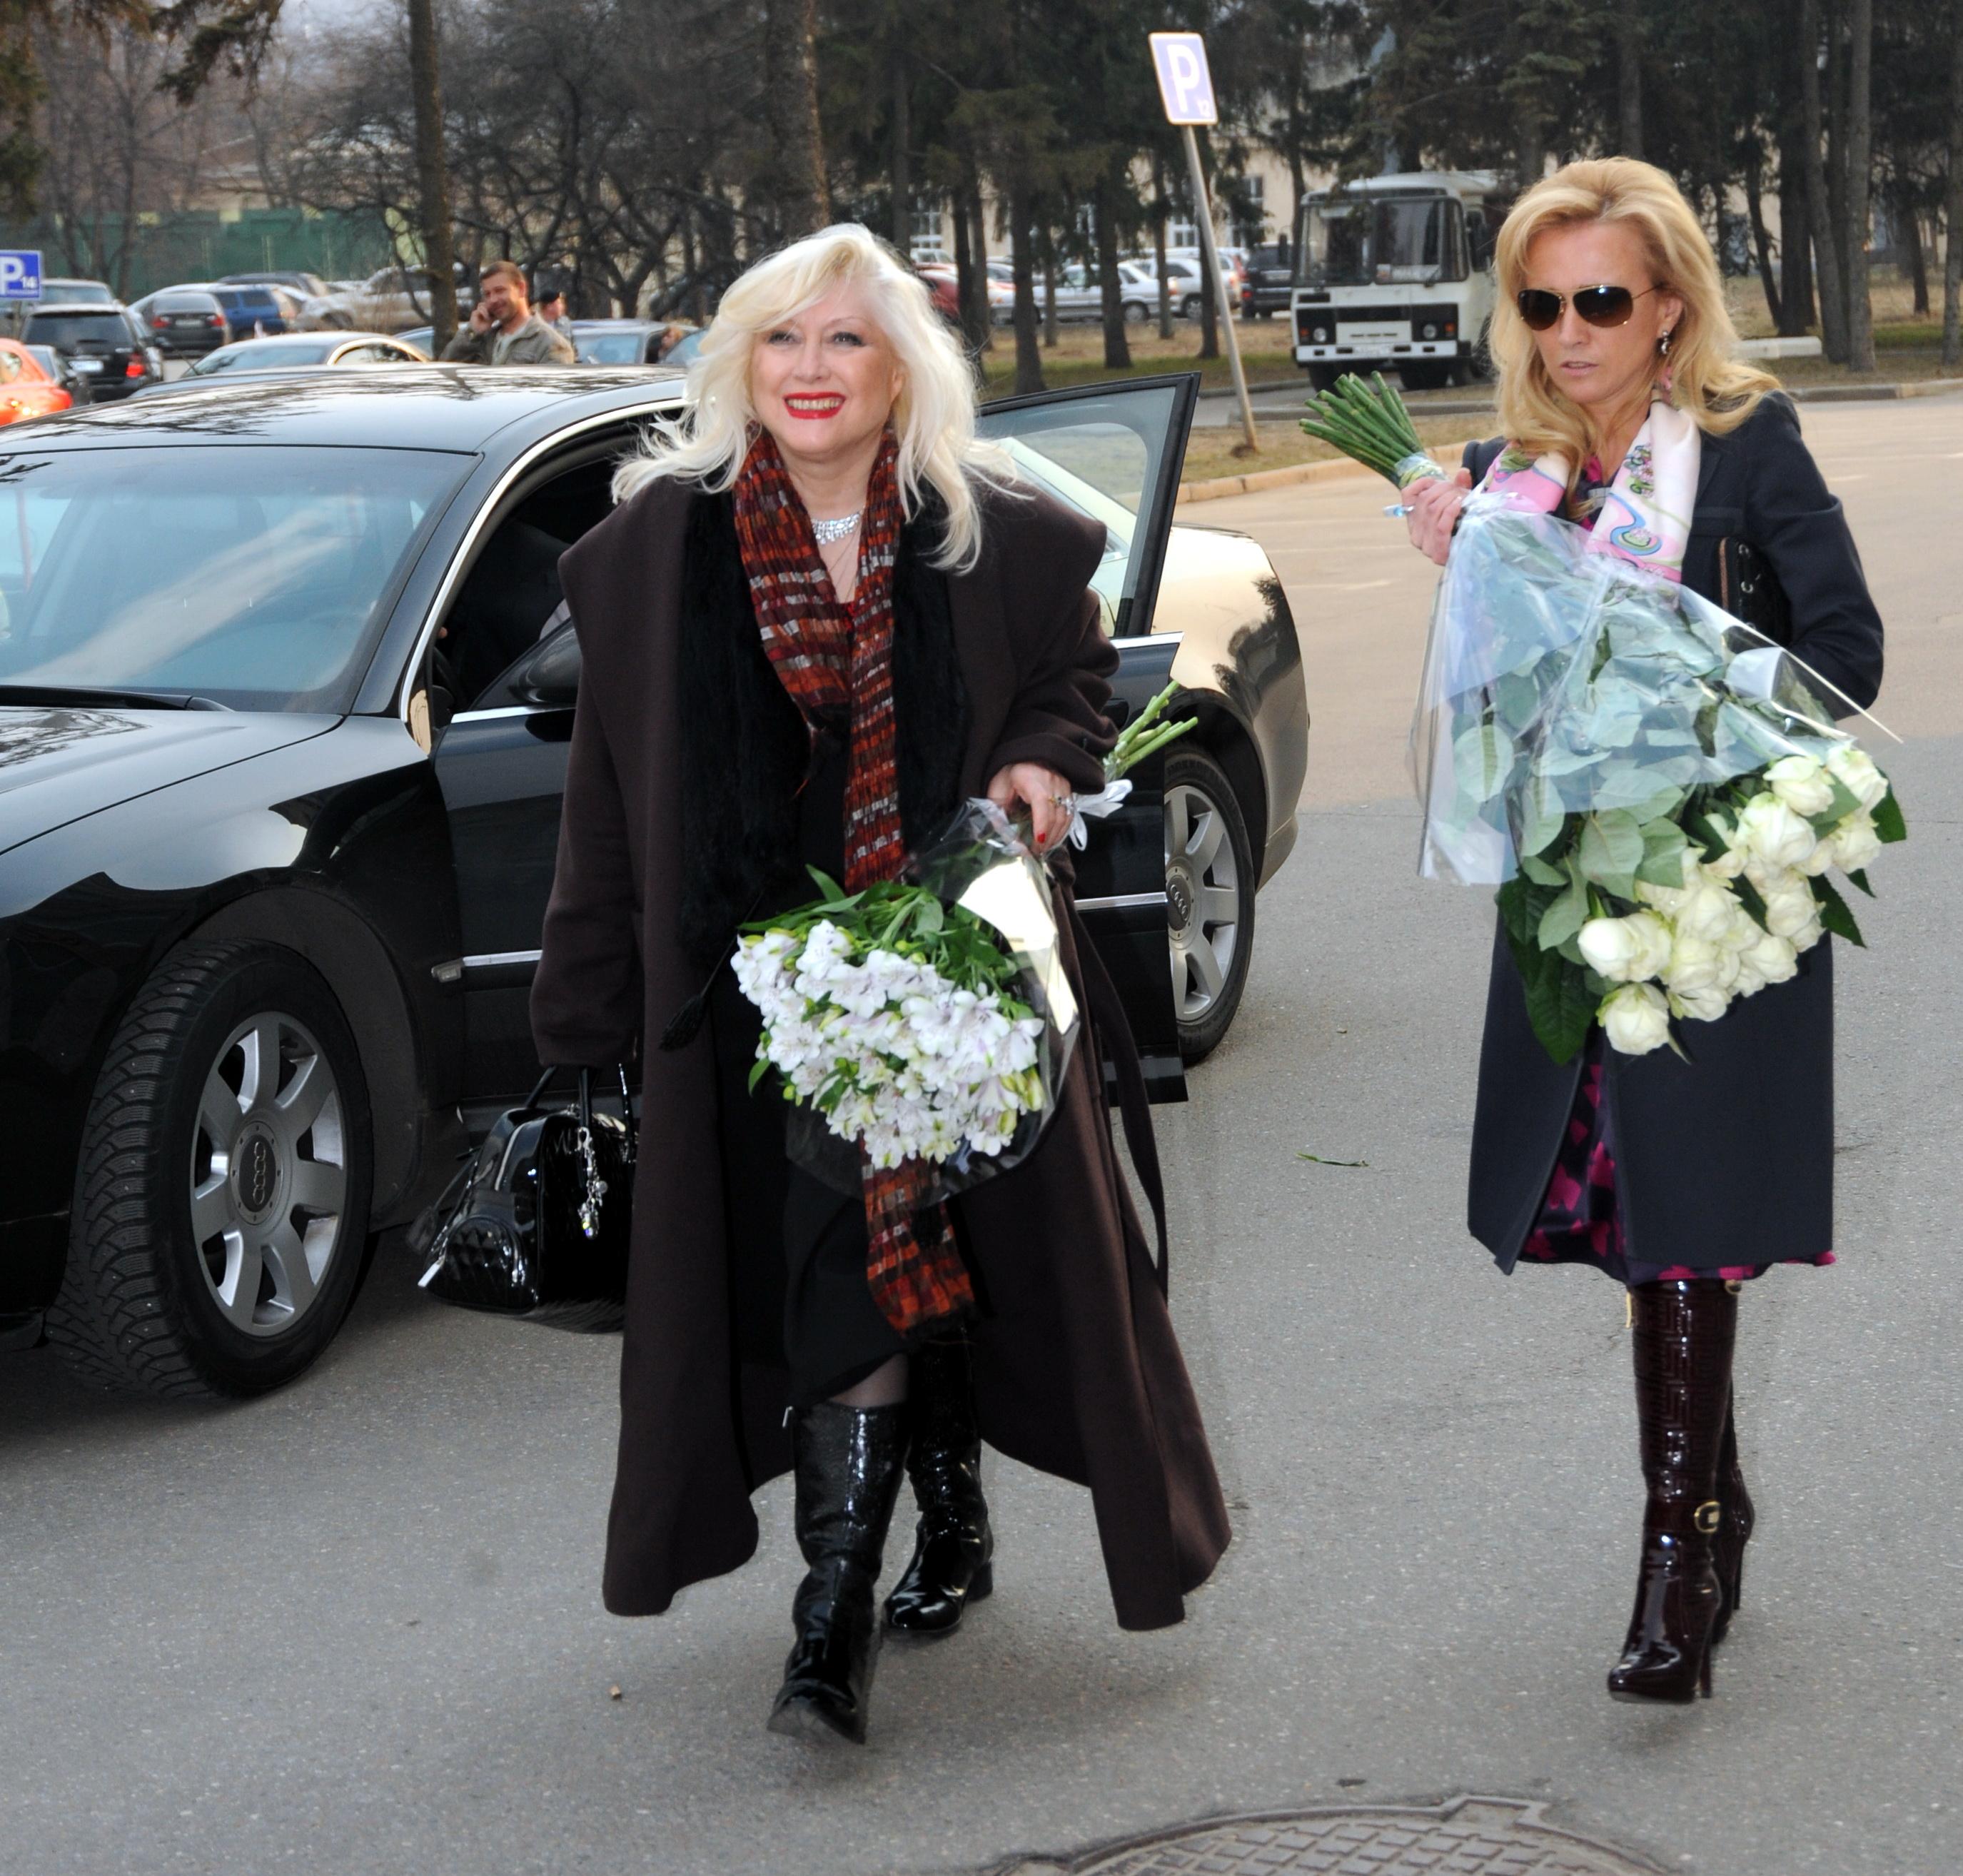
(1397, 270)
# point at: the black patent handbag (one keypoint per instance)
(535, 1225)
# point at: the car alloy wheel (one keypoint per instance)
(1210, 886)
(1188, 307)
(1136, 312)
(220, 1217)
(269, 1174)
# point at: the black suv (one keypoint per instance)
(1267, 280)
(105, 348)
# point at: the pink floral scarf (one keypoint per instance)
(1645, 515)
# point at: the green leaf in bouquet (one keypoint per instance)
(1559, 1005)
(1835, 914)
(1890, 824)
(1661, 805)
(1750, 898)
(1845, 802)
(1542, 817)
(1482, 758)
(1521, 906)
(1564, 916)
(1610, 850)
(1538, 871)
(1664, 844)
(1570, 948)
(761, 1068)
(930, 918)
(1859, 878)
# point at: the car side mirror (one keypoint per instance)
(550, 677)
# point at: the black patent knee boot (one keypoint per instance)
(1739, 1519)
(1683, 1336)
(953, 1545)
(848, 1475)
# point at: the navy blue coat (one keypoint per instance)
(1727, 1158)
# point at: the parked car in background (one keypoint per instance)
(303, 287)
(65, 292)
(631, 341)
(106, 346)
(27, 389)
(943, 286)
(183, 322)
(1184, 275)
(58, 369)
(390, 301)
(286, 706)
(295, 352)
(254, 311)
(1267, 281)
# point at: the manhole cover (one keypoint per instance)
(1464, 1836)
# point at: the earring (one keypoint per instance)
(1663, 345)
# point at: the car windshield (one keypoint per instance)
(612, 348)
(257, 575)
(1373, 244)
(93, 293)
(66, 330)
(254, 354)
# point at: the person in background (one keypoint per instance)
(552, 310)
(503, 329)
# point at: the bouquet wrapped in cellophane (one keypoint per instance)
(927, 1018)
(1656, 788)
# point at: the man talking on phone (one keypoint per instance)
(503, 329)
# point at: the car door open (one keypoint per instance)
(1114, 452)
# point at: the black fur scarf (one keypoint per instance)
(743, 745)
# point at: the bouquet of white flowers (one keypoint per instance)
(1655, 786)
(926, 1019)
(929, 1019)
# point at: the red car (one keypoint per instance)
(26, 390)
(944, 284)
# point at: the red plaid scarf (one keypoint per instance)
(836, 662)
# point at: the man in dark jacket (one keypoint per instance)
(503, 329)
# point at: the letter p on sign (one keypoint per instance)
(1185, 84)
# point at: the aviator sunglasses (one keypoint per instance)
(1598, 305)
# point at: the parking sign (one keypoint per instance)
(1185, 84)
(20, 274)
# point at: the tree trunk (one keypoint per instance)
(1796, 241)
(1837, 142)
(1762, 240)
(1049, 298)
(1819, 197)
(432, 176)
(971, 264)
(791, 76)
(1159, 248)
(1117, 346)
(1911, 217)
(1022, 255)
(899, 162)
(1953, 216)
(1629, 78)
(1860, 158)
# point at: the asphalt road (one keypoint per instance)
(355, 1627)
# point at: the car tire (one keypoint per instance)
(186, 1135)
(1322, 377)
(1210, 886)
(1189, 307)
(1136, 312)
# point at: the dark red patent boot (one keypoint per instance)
(1683, 1337)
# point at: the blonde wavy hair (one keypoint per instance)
(1708, 379)
(933, 416)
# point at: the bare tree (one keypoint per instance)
(1819, 197)
(432, 177)
(1860, 182)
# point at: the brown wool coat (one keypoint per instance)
(1077, 1371)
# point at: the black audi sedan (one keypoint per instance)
(286, 688)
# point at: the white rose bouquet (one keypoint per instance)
(925, 1019)
(1653, 786)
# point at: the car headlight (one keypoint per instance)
(1431, 331)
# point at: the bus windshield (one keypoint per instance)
(1359, 242)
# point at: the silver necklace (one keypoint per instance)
(825, 532)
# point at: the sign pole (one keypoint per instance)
(1204, 209)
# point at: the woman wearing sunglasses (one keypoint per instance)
(1625, 409)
